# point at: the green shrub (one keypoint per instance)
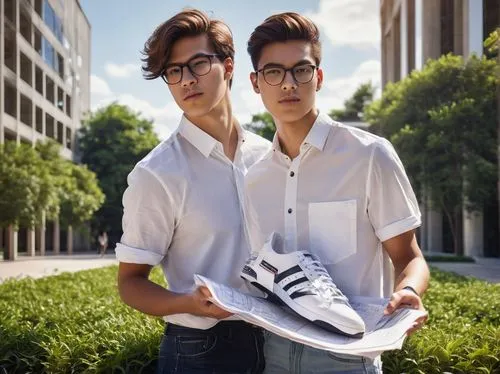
(462, 334)
(75, 322)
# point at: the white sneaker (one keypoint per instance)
(302, 283)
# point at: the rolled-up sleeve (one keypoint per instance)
(148, 219)
(392, 205)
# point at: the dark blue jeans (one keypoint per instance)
(228, 347)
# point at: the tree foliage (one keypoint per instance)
(262, 124)
(442, 120)
(355, 105)
(111, 142)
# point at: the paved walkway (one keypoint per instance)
(484, 268)
(39, 266)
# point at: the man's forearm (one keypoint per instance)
(148, 297)
(415, 274)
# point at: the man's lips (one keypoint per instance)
(289, 99)
(192, 95)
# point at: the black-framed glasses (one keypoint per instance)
(275, 75)
(198, 65)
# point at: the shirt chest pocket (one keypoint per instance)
(332, 230)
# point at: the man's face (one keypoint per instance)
(290, 100)
(197, 94)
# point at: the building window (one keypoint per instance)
(411, 34)
(68, 105)
(49, 126)
(25, 26)
(447, 30)
(60, 132)
(49, 90)
(9, 9)
(39, 80)
(52, 20)
(68, 138)
(38, 42)
(10, 49)
(26, 111)
(38, 7)
(39, 120)
(60, 99)
(10, 99)
(60, 66)
(48, 53)
(26, 69)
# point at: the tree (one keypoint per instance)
(355, 105)
(492, 45)
(442, 120)
(26, 189)
(77, 189)
(111, 142)
(262, 124)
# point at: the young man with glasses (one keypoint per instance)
(182, 207)
(339, 192)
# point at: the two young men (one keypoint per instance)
(324, 187)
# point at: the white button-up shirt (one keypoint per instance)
(344, 194)
(182, 211)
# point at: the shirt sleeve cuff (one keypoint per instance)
(125, 253)
(397, 228)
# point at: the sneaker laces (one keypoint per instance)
(322, 283)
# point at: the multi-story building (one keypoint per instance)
(414, 31)
(44, 89)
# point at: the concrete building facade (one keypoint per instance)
(413, 31)
(44, 92)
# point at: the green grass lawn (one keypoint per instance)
(76, 323)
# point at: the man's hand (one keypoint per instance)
(203, 307)
(407, 299)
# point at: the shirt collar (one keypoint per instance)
(201, 140)
(317, 134)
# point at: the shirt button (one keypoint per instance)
(290, 210)
(292, 173)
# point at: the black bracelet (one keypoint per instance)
(410, 288)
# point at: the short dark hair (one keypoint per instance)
(189, 22)
(280, 28)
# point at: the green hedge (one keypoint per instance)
(76, 323)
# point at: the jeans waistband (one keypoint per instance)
(220, 327)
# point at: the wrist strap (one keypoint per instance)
(410, 288)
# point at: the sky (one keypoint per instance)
(350, 36)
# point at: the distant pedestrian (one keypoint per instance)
(103, 243)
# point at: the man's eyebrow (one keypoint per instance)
(276, 65)
(199, 54)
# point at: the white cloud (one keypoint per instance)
(336, 91)
(99, 86)
(349, 22)
(122, 71)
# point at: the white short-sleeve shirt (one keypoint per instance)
(182, 211)
(341, 197)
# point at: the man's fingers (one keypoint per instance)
(205, 292)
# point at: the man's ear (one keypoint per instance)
(229, 68)
(320, 79)
(255, 83)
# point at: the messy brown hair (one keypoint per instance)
(189, 22)
(280, 28)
